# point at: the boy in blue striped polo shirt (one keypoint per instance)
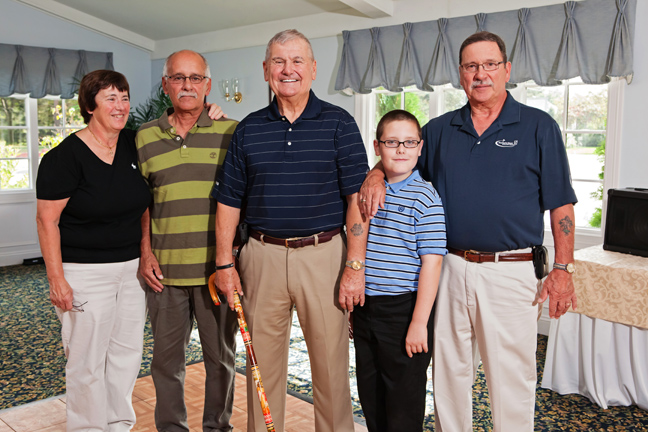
(406, 244)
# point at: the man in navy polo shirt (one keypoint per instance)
(298, 165)
(498, 165)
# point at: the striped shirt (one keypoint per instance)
(411, 224)
(293, 176)
(181, 173)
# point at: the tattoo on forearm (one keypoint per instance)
(566, 225)
(357, 230)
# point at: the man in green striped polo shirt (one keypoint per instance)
(180, 154)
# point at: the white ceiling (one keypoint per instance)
(188, 17)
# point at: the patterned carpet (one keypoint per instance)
(33, 364)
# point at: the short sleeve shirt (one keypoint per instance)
(101, 222)
(411, 224)
(293, 176)
(181, 172)
(496, 187)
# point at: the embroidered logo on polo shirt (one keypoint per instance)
(401, 209)
(212, 155)
(506, 144)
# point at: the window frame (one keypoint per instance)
(33, 143)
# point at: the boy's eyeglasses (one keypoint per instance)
(396, 144)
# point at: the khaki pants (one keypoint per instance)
(274, 279)
(487, 306)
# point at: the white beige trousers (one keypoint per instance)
(103, 345)
(487, 309)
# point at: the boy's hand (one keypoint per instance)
(416, 340)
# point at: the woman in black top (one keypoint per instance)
(91, 198)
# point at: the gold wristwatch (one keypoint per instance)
(355, 265)
(569, 268)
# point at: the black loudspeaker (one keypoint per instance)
(626, 225)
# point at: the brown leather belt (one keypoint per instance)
(480, 257)
(296, 243)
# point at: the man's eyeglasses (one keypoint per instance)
(180, 79)
(474, 67)
(396, 144)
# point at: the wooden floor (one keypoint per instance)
(49, 415)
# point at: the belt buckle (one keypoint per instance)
(473, 252)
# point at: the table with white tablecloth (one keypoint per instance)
(601, 350)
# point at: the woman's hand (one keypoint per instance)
(61, 294)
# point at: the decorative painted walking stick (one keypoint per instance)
(247, 340)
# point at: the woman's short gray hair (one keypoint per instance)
(287, 35)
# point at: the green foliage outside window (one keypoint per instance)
(417, 103)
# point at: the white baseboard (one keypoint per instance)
(15, 258)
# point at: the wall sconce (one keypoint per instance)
(233, 85)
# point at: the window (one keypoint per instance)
(28, 129)
(14, 152)
(580, 110)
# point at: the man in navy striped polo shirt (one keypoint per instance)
(405, 248)
(297, 165)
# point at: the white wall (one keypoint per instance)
(20, 24)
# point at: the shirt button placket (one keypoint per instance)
(184, 150)
(289, 155)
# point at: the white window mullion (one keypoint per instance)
(32, 139)
(616, 93)
(365, 110)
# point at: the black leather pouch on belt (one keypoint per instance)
(243, 233)
(540, 261)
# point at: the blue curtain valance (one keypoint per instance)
(47, 71)
(592, 39)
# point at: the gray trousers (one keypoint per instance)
(172, 313)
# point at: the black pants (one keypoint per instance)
(391, 385)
